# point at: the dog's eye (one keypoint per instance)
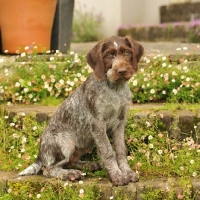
(109, 55)
(127, 52)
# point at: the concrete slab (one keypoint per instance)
(167, 48)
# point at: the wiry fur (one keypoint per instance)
(96, 110)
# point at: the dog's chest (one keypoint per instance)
(114, 102)
(114, 105)
(107, 101)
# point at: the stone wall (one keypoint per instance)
(162, 32)
(179, 124)
(180, 12)
(177, 31)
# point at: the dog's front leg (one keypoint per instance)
(120, 149)
(106, 153)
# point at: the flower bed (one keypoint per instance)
(162, 80)
(32, 80)
(158, 79)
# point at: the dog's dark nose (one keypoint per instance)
(122, 71)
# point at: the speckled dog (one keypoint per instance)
(93, 113)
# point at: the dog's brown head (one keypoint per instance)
(116, 56)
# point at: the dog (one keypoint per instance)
(90, 115)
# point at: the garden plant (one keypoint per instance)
(91, 29)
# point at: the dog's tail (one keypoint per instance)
(32, 169)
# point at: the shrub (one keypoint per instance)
(194, 31)
(86, 26)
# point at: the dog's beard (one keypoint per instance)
(114, 77)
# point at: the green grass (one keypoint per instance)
(164, 106)
(51, 101)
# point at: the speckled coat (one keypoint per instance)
(91, 114)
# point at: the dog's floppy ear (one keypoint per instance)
(95, 60)
(137, 47)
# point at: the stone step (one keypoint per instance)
(49, 110)
(184, 120)
(132, 191)
(42, 113)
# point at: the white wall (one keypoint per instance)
(141, 11)
(152, 11)
(132, 11)
(124, 12)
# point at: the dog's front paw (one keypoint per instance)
(118, 179)
(132, 176)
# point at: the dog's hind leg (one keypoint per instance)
(65, 171)
(57, 171)
(63, 153)
(33, 169)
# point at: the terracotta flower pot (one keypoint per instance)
(26, 23)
